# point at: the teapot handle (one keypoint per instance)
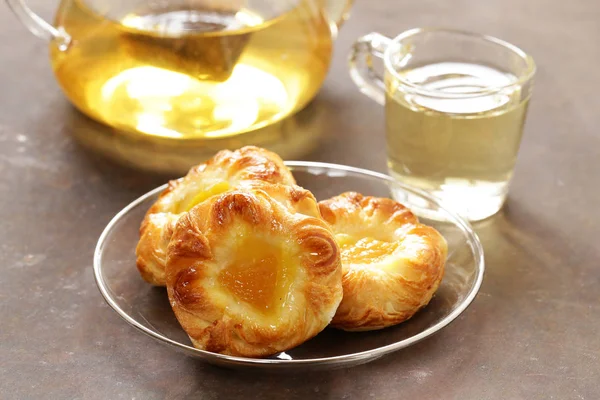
(338, 12)
(36, 25)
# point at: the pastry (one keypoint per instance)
(254, 271)
(392, 264)
(226, 170)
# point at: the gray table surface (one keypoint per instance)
(532, 333)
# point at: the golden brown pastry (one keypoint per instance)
(226, 170)
(253, 272)
(391, 263)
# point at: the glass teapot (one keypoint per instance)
(189, 69)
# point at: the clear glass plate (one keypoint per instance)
(147, 308)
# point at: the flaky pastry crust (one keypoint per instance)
(254, 272)
(225, 171)
(392, 264)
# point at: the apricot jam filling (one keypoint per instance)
(259, 274)
(366, 250)
(213, 190)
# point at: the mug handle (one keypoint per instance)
(35, 24)
(369, 81)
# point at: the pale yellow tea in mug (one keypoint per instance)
(461, 149)
(455, 107)
(185, 69)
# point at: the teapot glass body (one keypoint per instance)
(189, 69)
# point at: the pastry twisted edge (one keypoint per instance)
(203, 244)
(391, 289)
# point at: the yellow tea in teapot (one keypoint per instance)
(195, 68)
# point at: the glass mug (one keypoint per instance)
(189, 69)
(455, 107)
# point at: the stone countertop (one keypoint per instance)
(532, 333)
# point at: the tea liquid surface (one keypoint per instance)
(463, 150)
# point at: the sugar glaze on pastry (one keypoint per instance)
(254, 271)
(392, 264)
(226, 170)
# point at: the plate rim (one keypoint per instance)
(364, 355)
